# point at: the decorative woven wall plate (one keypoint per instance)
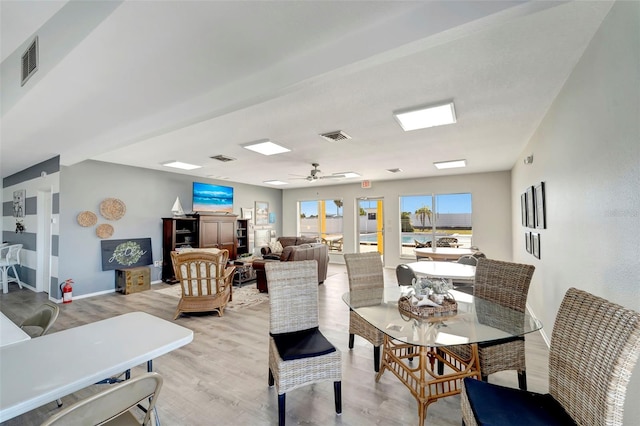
(112, 209)
(104, 231)
(87, 218)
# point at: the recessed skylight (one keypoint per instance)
(181, 165)
(450, 164)
(266, 147)
(275, 182)
(436, 115)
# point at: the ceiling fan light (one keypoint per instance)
(180, 165)
(450, 164)
(431, 116)
(266, 147)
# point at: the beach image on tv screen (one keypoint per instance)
(212, 198)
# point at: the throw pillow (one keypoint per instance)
(276, 247)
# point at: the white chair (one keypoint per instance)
(9, 258)
(114, 405)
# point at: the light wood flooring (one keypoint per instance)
(221, 377)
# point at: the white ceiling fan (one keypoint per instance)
(314, 174)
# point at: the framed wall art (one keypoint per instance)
(262, 237)
(527, 241)
(262, 213)
(535, 244)
(18, 202)
(540, 219)
(117, 254)
(530, 208)
(247, 213)
(523, 208)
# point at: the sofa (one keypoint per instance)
(295, 250)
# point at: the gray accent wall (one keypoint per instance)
(587, 151)
(148, 196)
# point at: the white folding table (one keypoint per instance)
(10, 333)
(38, 371)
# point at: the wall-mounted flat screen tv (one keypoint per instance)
(211, 198)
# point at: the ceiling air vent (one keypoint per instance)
(336, 136)
(30, 61)
(222, 158)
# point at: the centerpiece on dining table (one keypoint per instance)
(427, 297)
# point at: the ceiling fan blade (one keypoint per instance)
(332, 177)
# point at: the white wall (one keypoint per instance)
(587, 151)
(491, 205)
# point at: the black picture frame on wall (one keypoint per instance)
(527, 241)
(535, 244)
(523, 208)
(531, 215)
(540, 218)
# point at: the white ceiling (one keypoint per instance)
(140, 83)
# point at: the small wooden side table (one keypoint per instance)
(244, 272)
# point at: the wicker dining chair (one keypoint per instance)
(365, 272)
(594, 346)
(206, 280)
(507, 284)
(299, 354)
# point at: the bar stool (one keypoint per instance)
(9, 258)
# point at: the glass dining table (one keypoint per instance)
(411, 342)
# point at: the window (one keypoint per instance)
(441, 218)
(322, 219)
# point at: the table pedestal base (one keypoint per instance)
(422, 380)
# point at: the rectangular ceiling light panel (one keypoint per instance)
(181, 165)
(450, 164)
(266, 148)
(348, 174)
(422, 118)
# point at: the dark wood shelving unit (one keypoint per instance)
(243, 236)
(197, 231)
(176, 233)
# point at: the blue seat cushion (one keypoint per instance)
(302, 344)
(494, 405)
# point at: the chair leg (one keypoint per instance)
(376, 358)
(522, 380)
(337, 391)
(17, 277)
(271, 379)
(351, 336)
(281, 409)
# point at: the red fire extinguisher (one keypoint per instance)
(67, 291)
